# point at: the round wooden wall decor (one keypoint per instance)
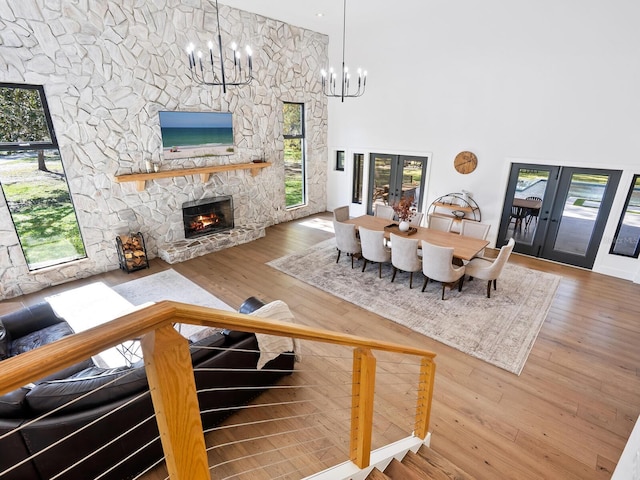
(465, 162)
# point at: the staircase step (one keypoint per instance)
(397, 471)
(376, 474)
(435, 465)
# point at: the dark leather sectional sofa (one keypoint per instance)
(126, 441)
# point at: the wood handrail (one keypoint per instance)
(50, 358)
(172, 382)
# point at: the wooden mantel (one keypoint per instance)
(204, 172)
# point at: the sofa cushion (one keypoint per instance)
(40, 337)
(12, 404)
(116, 383)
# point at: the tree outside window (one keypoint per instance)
(294, 157)
(33, 179)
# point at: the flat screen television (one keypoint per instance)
(196, 134)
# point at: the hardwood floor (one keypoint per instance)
(567, 416)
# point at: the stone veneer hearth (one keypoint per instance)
(189, 248)
(108, 68)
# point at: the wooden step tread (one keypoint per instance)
(438, 467)
(376, 474)
(397, 471)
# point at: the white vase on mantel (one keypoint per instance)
(403, 226)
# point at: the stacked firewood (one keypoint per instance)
(133, 251)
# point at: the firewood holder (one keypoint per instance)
(132, 252)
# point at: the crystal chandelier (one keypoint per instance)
(329, 80)
(205, 74)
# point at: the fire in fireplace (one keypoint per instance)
(206, 216)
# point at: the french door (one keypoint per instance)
(392, 177)
(558, 213)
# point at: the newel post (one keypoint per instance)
(425, 395)
(362, 390)
(173, 392)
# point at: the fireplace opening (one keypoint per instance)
(206, 216)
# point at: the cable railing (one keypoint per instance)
(295, 426)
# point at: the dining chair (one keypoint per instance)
(415, 219)
(518, 214)
(437, 265)
(384, 211)
(373, 248)
(532, 213)
(470, 228)
(486, 269)
(341, 214)
(404, 256)
(438, 222)
(346, 240)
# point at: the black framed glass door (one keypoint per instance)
(392, 177)
(558, 213)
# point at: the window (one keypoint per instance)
(340, 160)
(627, 239)
(33, 179)
(358, 172)
(294, 158)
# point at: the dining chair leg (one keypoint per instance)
(365, 264)
(338, 259)
(380, 270)
(495, 280)
(352, 255)
(424, 285)
(460, 282)
(410, 280)
(489, 289)
(443, 285)
(393, 277)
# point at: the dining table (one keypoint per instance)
(464, 247)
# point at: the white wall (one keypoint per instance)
(543, 82)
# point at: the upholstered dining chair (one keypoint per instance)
(373, 248)
(437, 222)
(474, 229)
(415, 219)
(404, 256)
(384, 211)
(341, 214)
(437, 265)
(485, 269)
(346, 240)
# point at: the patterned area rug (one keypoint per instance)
(500, 330)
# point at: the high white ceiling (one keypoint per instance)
(302, 13)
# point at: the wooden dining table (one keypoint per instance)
(464, 248)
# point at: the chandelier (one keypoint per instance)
(329, 80)
(205, 74)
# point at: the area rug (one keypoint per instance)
(500, 330)
(168, 285)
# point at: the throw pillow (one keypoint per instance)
(271, 345)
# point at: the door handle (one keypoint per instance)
(554, 220)
(545, 218)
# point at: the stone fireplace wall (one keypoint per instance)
(108, 68)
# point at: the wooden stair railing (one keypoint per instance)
(167, 358)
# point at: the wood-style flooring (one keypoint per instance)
(567, 416)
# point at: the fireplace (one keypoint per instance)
(206, 216)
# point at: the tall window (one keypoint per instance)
(33, 180)
(627, 239)
(358, 172)
(294, 159)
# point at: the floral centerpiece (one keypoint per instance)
(404, 212)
